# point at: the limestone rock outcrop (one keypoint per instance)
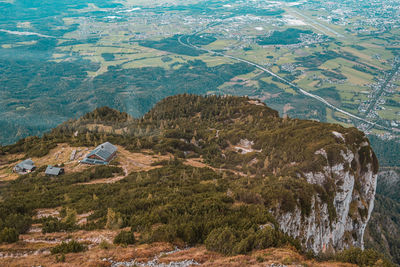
(340, 221)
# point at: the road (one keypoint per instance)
(298, 89)
(381, 89)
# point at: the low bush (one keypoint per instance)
(105, 245)
(363, 258)
(70, 247)
(229, 241)
(8, 235)
(125, 238)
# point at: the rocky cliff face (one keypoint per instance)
(340, 221)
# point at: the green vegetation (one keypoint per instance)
(363, 258)
(8, 235)
(317, 59)
(328, 93)
(258, 11)
(387, 151)
(45, 81)
(108, 56)
(363, 68)
(286, 37)
(335, 75)
(108, 88)
(177, 202)
(229, 241)
(198, 40)
(359, 257)
(70, 247)
(12, 224)
(60, 258)
(383, 231)
(173, 45)
(177, 198)
(67, 222)
(105, 245)
(125, 238)
(358, 47)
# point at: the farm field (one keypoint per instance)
(346, 60)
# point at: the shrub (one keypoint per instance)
(68, 223)
(21, 223)
(245, 245)
(125, 238)
(70, 247)
(164, 233)
(105, 245)
(363, 258)
(60, 258)
(221, 240)
(52, 225)
(287, 261)
(8, 235)
(100, 172)
(114, 219)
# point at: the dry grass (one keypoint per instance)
(58, 155)
(146, 252)
(198, 163)
(44, 213)
(132, 162)
(139, 161)
(61, 155)
(7, 163)
(93, 257)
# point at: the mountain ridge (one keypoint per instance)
(283, 167)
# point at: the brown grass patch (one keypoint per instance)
(129, 161)
(7, 163)
(146, 252)
(133, 162)
(198, 163)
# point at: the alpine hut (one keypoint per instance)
(53, 171)
(25, 166)
(101, 155)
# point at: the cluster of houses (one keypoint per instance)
(101, 155)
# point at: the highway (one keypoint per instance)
(294, 86)
(382, 88)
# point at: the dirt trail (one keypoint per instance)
(132, 162)
(198, 163)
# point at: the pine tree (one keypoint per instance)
(114, 219)
(88, 138)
